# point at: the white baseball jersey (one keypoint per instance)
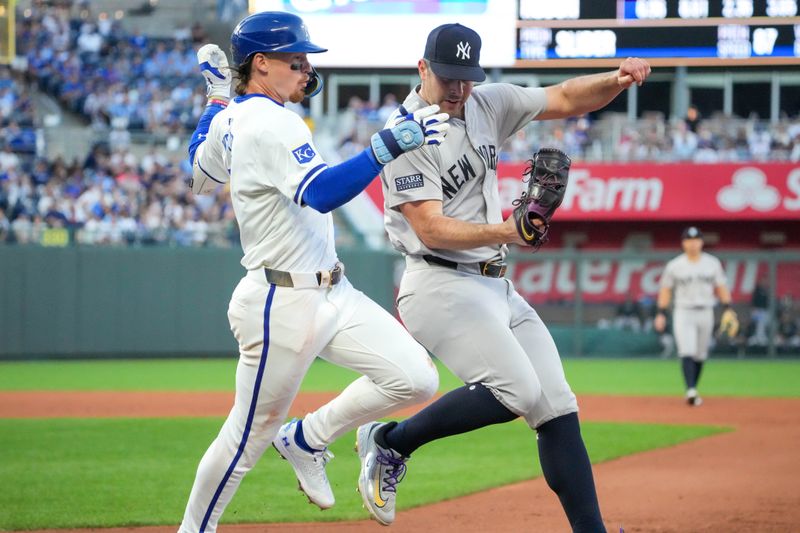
(269, 151)
(462, 171)
(267, 154)
(694, 282)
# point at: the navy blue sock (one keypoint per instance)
(300, 440)
(461, 410)
(568, 472)
(698, 367)
(689, 372)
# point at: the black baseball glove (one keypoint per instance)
(546, 176)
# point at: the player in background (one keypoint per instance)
(442, 211)
(696, 279)
(295, 302)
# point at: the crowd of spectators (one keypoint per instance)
(609, 137)
(121, 82)
(125, 80)
(116, 78)
(120, 194)
(115, 196)
(718, 139)
(112, 198)
(17, 131)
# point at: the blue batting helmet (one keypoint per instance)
(271, 31)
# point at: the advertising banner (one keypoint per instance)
(663, 192)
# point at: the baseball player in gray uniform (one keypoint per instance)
(294, 303)
(696, 278)
(443, 212)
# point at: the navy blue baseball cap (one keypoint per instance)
(454, 52)
(691, 233)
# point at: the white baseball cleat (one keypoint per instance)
(692, 398)
(381, 470)
(309, 467)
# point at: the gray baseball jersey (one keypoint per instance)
(693, 283)
(462, 171)
(480, 327)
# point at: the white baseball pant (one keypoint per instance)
(280, 331)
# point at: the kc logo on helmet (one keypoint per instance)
(462, 50)
(304, 154)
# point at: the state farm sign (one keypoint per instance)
(586, 193)
(670, 191)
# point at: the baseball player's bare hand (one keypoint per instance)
(511, 235)
(660, 322)
(633, 70)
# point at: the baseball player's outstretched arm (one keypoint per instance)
(583, 94)
(337, 185)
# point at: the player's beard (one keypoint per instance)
(453, 109)
(297, 96)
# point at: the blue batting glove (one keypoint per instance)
(411, 131)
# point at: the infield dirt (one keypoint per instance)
(741, 481)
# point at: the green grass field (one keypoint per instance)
(587, 376)
(105, 472)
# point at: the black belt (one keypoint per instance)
(490, 269)
(323, 278)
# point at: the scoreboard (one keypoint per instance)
(667, 32)
(555, 33)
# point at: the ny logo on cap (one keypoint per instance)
(462, 51)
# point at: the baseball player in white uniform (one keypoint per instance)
(696, 278)
(295, 302)
(443, 212)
